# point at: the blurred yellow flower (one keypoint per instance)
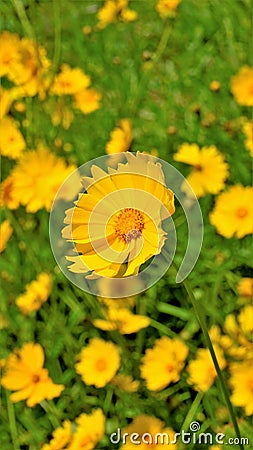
(133, 233)
(202, 371)
(247, 128)
(209, 168)
(37, 292)
(6, 231)
(242, 86)
(69, 81)
(167, 8)
(6, 194)
(127, 302)
(245, 288)
(113, 10)
(150, 433)
(87, 100)
(120, 138)
(89, 431)
(123, 320)
(61, 437)
(62, 114)
(242, 385)
(233, 212)
(37, 177)
(98, 362)
(12, 142)
(9, 52)
(125, 383)
(162, 364)
(245, 320)
(25, 374)
(215, 86)
(5, 101)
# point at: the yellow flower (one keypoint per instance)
(202, 371)
(162, 364)
(31, 72)
(233, 212)
(123, 320)
(69, 81)
(242, 86)
(62, 114)
(125, 383)
(124, 231)
(237, 342)
(167, 8)
(209, 169)
(245, 287)
(87, 100)
(37, 292)
(61, 437)
(89, 431)
(37, 177)
(6, 194)
(5, 101)
(26, 375)
(151, 433)
(99, 362)
(127, 302)
(12, 142)
(245, 320)
(6, 231)
(120, 138)
(9, 52)
(113, 10)
(215, 86)
(247, 128)
(242, 385)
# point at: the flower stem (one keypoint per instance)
(12, 422)
(19, 7)
(209, 344)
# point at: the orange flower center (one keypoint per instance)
(241, 212)
(198, 167)
(129, 224)
(101, 365)
(35, 378)
(170, 368)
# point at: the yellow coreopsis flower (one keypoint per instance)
(242, 86)
(245, 287)
(12, 142)
(25, 374)
(98, 362)
(6, 98)
(37, 177)
(150, 433)
(209, 169)
(61, 437)
(87, 100)
(167, 8)
(247, 128)
(130, 222)
(233, 212)
(162, 364)
(113, 10)
(89, 431)
(9, 52)
(123, 320)
(120, 138)
(125, 383)
(242, 381)
(6, 231)
(37, 292)
(202, 371)
(70, 81)
(6, 194)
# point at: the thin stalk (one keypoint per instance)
(209, 344)
(12, 422)
(192, 411)
(19, 7)
(57, 35)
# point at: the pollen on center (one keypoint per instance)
(100, 364)
(129, 224)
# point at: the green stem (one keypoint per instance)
(209, 344)
(52, 412)
(192, 411)
(12, 422)
(19, 7)
(57, 35)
